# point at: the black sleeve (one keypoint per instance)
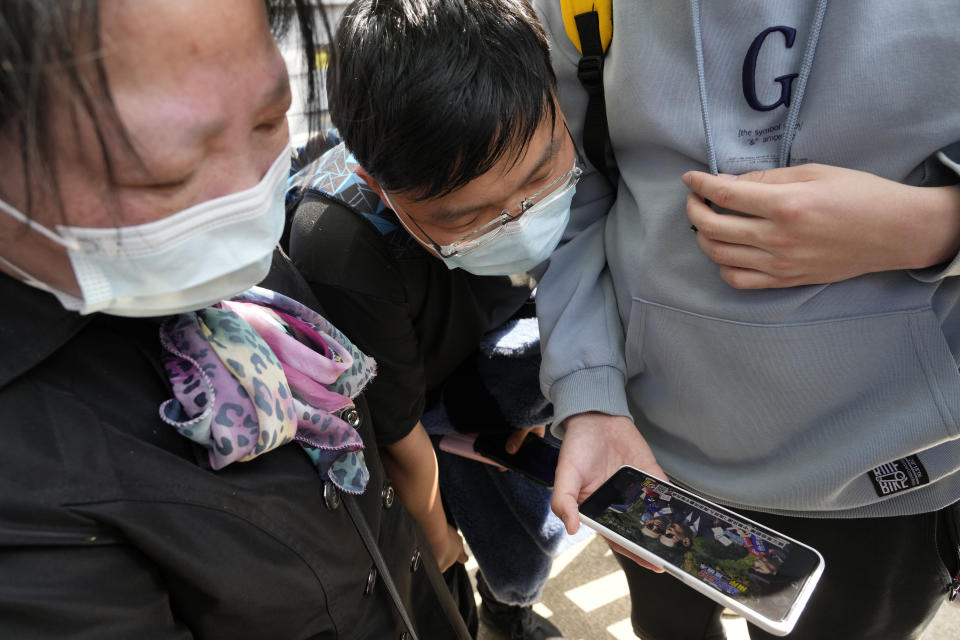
(361, 291)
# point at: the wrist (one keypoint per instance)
(592, 419)
(934, 226)
(442, 544)
(596, 390)
(437, 534)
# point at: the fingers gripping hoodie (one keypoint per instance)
(835, 400)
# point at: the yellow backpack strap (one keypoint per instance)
(589, 25)
(604, 10)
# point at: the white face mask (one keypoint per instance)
(520, 244)
(515, 246)
(185, 261)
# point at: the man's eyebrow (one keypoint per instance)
(452, 215)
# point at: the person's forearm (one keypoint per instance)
(581, 336)
(412, 466)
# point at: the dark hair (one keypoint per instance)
(43, 46)
(430, 94)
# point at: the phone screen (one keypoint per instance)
(759, 568)
(536, 459)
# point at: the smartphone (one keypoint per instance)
(760, 573)
(461, 444)
(536, 459)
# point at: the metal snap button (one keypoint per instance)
(415, 561)
(388, 495)
(331, 495)
(371, 581)
(352, 417)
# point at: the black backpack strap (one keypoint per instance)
(596, 137)
(383, 568)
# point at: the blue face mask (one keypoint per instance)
(517, 245)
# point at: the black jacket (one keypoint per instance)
(113, 526)
(421, 320)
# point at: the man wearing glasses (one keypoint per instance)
(425, 229)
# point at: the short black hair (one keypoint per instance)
(41, 46)
(430, 94)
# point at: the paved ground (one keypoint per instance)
(587, 598)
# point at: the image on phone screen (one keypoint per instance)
(536, 459)
(764, 575)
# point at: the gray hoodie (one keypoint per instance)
(837, 400)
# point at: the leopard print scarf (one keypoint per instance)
(260, 370)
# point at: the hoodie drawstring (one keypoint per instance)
(793, 114)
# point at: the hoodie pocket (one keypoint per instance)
(740, 389)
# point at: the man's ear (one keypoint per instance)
(373, 184)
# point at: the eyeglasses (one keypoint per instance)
(491, 230)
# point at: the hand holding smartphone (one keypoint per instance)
(760, 573)
(461, 444)
(536, 459)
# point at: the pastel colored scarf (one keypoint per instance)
(259, 370)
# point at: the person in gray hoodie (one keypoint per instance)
(764, 308)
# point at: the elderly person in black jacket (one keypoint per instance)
(145, 151)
